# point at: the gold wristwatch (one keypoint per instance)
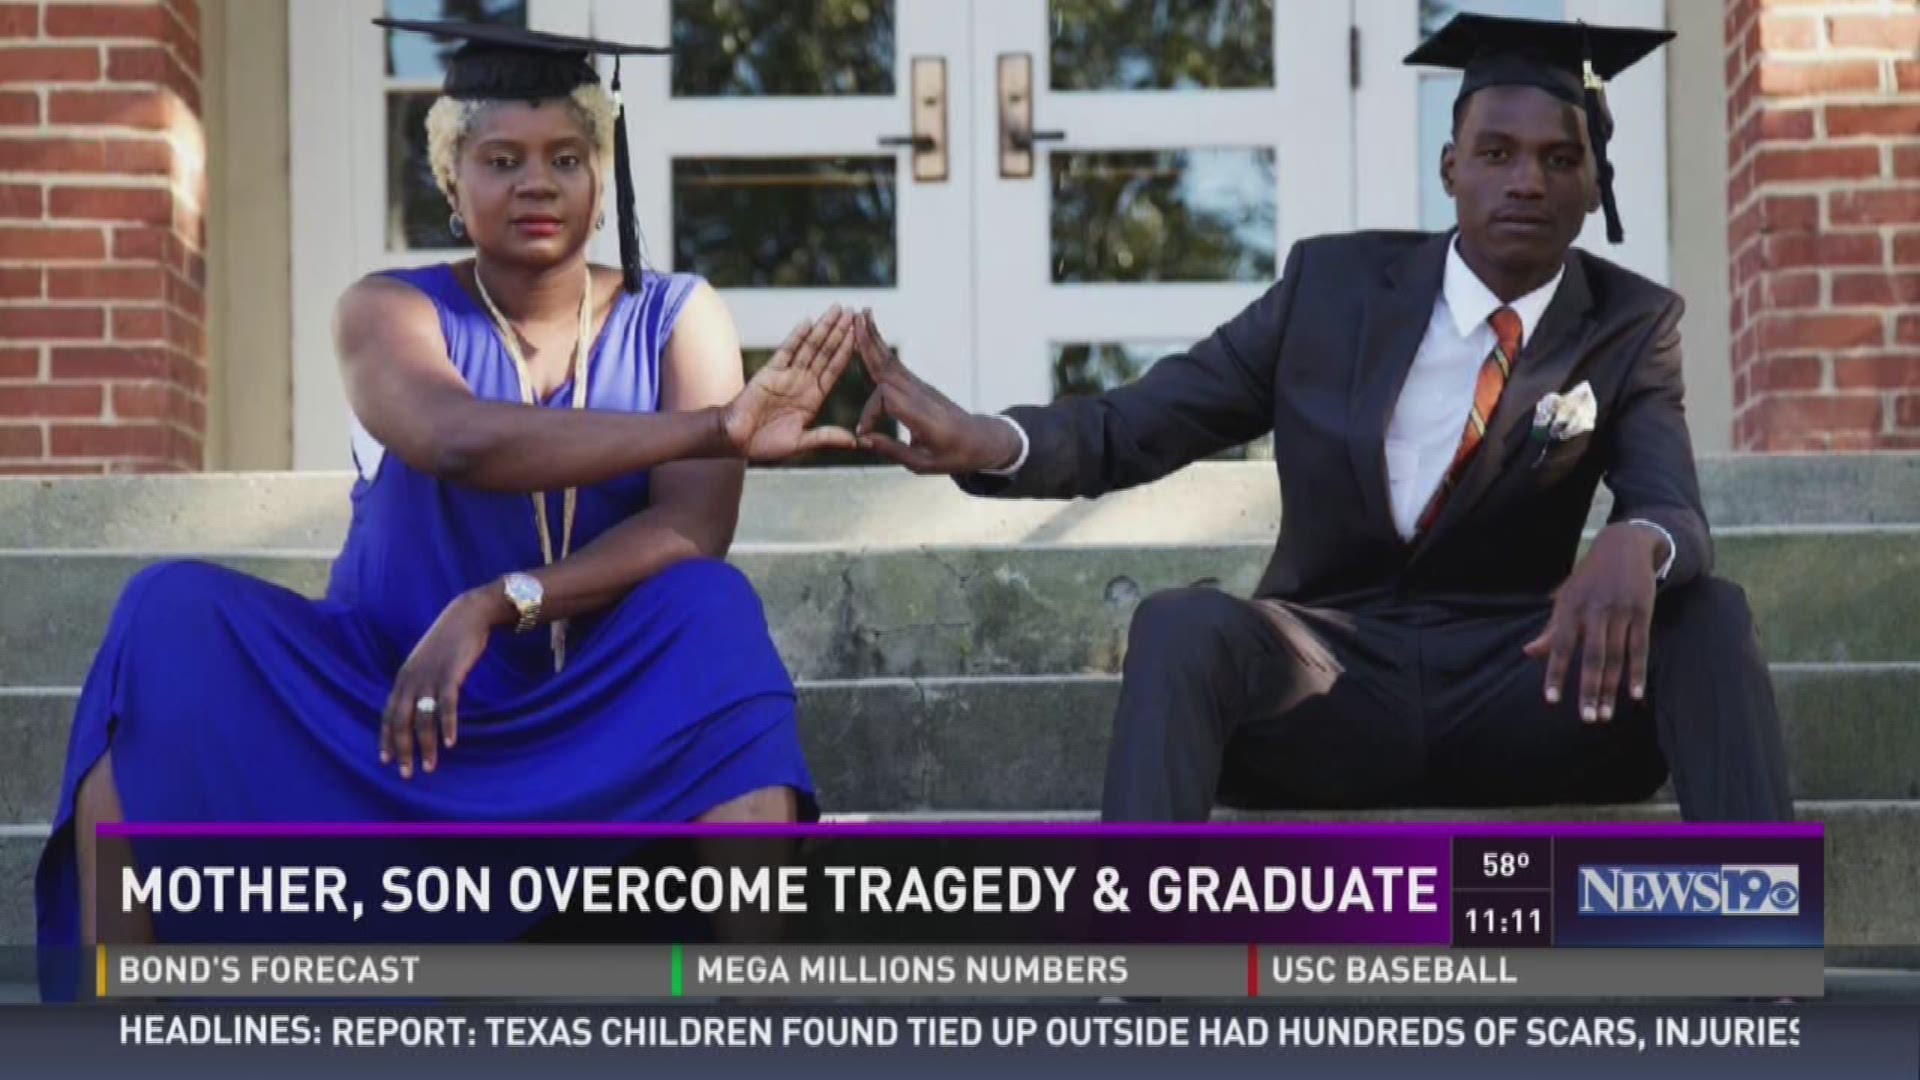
(525, 593)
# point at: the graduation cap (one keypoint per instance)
(1571, 61)
(507, 63)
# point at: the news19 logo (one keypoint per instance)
(1690, 890)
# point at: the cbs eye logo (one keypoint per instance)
(1761, 890)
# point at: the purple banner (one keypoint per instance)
(934, 883)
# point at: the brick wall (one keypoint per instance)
(1824, 192)
(102, 275)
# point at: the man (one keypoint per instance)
(1443, 408)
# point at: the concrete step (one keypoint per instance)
(1213, 502)
(1040, 743)
(1871, 877)
(1829, 594)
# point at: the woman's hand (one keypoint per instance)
(434, 673)
(768, 421)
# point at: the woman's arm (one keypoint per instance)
(693, 506)
(409, 397)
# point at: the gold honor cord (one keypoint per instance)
(557, 628)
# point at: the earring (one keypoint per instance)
(601, 221)
(457, 225)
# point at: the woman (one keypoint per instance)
(530, 619)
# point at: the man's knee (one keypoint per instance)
(1186, 627)
(1710, 605)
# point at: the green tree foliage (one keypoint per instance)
(1161, 44)
(786, 222)
(1163, 215)
(782, 48)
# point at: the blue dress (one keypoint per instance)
(226, 698)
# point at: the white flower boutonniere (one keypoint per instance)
(1560, 417)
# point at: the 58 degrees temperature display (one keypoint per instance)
(1504, 864)
(1502, 892)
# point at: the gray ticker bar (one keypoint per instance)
(977, 972)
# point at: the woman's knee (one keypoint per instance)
(176, 589)
(710, 583)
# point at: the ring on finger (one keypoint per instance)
(425, 705)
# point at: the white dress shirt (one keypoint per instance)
(1424, 431)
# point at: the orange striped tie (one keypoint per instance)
(1486, 396)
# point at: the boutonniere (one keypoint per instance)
(1560, 417)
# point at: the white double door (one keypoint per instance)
(1096, 182)
(1176, 150)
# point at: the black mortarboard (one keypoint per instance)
(508, 63)
(1571, 61)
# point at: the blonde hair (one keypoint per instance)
(451, 120)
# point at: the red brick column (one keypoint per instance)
(102, 275)
(1824, 192)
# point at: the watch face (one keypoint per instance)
(523, 590)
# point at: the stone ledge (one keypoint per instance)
(1212, 502)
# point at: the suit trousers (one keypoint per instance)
(1268, 704)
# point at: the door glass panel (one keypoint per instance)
(415, 64)
(1088, 368)
(1438, 88)
(1163, 215)
(422, 56)
(786, 223)
(782, 48)
(1161, 44)
(844, 403)
(417, 212)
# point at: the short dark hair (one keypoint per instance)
(1460, 111)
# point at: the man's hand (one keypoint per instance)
(1604, 612)
(768, 421)
(947, 440)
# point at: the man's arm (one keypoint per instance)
(1215, 395)
(1652, 474)
(1603, 612)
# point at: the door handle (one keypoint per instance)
(921, 143)
(1024, 140)
(1017, 136)
(927, 108)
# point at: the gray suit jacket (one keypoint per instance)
(1319, 360)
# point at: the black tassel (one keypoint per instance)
(623, 191)
(1599, 133)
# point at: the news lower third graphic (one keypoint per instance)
(852, 912)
